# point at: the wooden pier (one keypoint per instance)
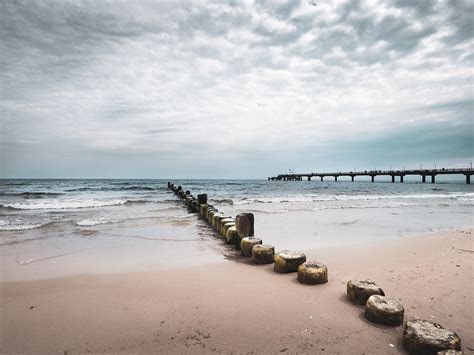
(400, 174)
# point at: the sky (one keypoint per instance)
(242, 89)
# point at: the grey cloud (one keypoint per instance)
(201, 80)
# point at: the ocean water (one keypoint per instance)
(62, 227)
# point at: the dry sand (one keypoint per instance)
(236, 307)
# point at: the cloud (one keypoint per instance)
(222, 85)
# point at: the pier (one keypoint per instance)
(394, 174)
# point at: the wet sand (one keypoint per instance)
(236, 307)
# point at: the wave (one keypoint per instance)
(96, 222)
(224, 201)
(21, 227)
(326, 198)
(125, 188)
(64, 204)
(32, 194)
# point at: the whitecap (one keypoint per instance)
(64, 204)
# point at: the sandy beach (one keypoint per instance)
(236, 307)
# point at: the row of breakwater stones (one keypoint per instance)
(420, 337)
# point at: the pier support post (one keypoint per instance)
(393, 178)
(335, 178)
(433, 179)
(401, 178)
(372, 178)
(309, 178)
(321, 178)
(468, 178)
(423, 178)
(352, 178)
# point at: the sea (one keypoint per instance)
(64, 227)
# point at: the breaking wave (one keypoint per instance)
(64, 204)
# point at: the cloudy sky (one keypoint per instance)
(241, 89)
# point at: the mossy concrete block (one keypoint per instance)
(245, 224)
(222, 224)
(263, 254)
(231, 235)
(288, 261)
(246, 245)
(312, 273)
(208, 214)
(211, 215)
(218, 220)
(226, 227)
(360, 291)
(215, 216)
(384, 310)
(202, 199)
(209, 209)
(202, 210)
(424, 337)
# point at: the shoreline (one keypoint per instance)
(223, 308)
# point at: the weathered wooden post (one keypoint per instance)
(244, 222)
(202, 199)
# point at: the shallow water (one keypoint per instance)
(65, 227)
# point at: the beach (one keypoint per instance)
(235, 307)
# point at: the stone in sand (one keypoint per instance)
(263, 254)
(423, 337)
(360, 291)
(288, 261)
(312, 273)
(246, 245)
(202, 199)
(384, 310)
(231, 235)
(244, 223)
